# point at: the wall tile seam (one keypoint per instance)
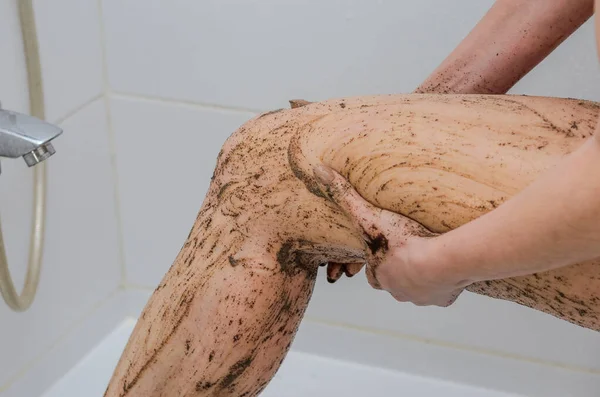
(184, 103)
(112, 146)
(78, 109)
(453, 345)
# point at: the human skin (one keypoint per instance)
(509, 41)
(225, 314)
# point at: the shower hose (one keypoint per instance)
(36, 103)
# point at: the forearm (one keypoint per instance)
(512, 38)
(554, 222)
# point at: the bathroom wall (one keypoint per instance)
(82, 266)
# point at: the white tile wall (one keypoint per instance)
(257, 54)
(260, 53)
(13, 78)
(71, 53)
(81, 266)
(81, 261)
(165, 157)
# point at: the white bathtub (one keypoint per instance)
(326, 359)
(302, 374)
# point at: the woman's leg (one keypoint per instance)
(223, 318)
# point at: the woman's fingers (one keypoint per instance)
(386, 234)
(364, 215)
(352, 269)
(334, 272)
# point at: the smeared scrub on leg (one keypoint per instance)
(377, 244)
(226, 312)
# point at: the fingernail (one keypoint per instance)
(347, 272)
(324, 174)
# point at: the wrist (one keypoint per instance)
(432, 259)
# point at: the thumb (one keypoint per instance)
(364, 215)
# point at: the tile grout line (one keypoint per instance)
(112, 140)
(22, 372)
(116, 194)
(415, 338)
(183, 102)
(78, 109)
(453, 345)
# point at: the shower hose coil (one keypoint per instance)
(21, 302)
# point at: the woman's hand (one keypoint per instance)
(397, 248)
